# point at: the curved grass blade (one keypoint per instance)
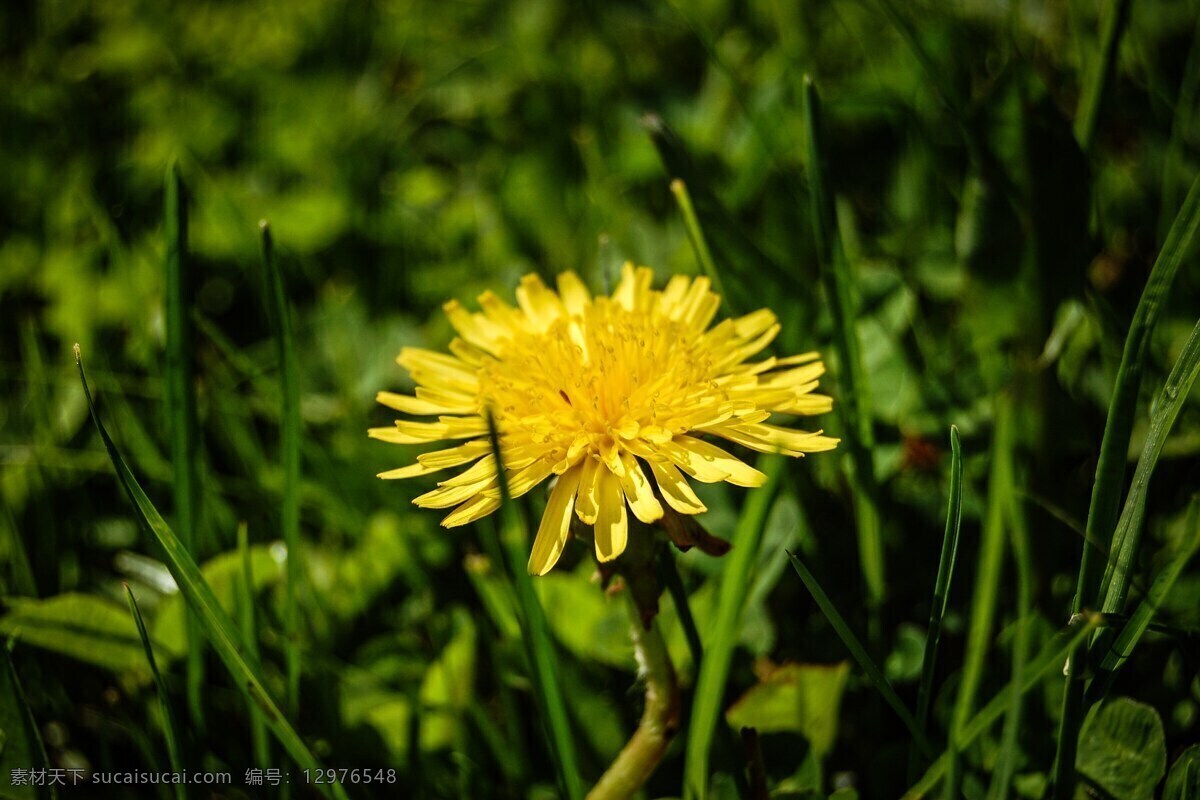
(1049, 658)
(539, 646)
(1127, 536)
(289, 422)
(1141, 620)
(1110, 467)
(181, 410)
(854, 405)
(709, 694)
(874, 673)
(987, 587)
(221, 632)
(941, 594)
(170, 727)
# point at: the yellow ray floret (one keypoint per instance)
(606, 396)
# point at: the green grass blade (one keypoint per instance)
(289, 422)
(170, 727)
(987, 588)
(874, 673)
(709, 695)
(939, 77)
(1110, 467)
(1089, 107)
(181, 409)
(23, 748)
(941, 594)
(538, 643)
(853, 395)
(668, 574)
(247, 621)
(1048, 659)
(1007, 760)
(221, 632)
(734, 248)
(696, 235)
(1141, 620)
(1127, 536)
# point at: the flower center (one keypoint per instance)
(587, 383)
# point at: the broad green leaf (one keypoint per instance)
(795, 698)
(1183, 781)
(222, 573)
(584, 619)
(81, 626)
(1122, 749)
(447, 688)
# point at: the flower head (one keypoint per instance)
(609, 394)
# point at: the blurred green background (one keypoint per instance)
(406, 153)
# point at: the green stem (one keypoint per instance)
(660, 718)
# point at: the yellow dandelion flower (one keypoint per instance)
(609, 394)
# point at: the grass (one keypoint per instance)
(219, 629)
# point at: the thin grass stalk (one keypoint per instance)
(854, 395)
(1142, 620)
(1006, 761)
(1048, 659)
(874, 673)
(1127, 537)
(181, 412)
(668, 574)
(1089, 107)
(1110, 468)
(539, 646)
(987, 589)
(169, 725)
(696, 235)
(23, 746)
(216, 624)
(248, 622)
(709, 693)
(941, 596)
(289, 423)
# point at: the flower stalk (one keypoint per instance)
(639, 758)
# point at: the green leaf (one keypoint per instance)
(718, 655)
(1122, 749)
(848, 637)
(941, 593)
(1050, 658)
(169, 725)
(289, 423)
(1183, 781)
(795, 698)
(20, 746)
(222, 573)
(179, 373)
(584, 620)
(221, 632)
(82, 626)
(1110, 467)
